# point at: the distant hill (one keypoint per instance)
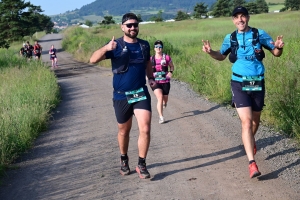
(119, 7)
(147, 8)
(95, 11)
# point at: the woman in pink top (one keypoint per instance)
(163, 68)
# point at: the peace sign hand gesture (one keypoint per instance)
(206, 46)
(279, 43)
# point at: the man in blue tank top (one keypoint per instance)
(247, 80)
(130, 58)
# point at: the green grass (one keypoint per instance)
(275, 1)
(273, 8)
(28, 92)
(93, 18)
(183, 41)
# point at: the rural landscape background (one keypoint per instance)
(29, 91)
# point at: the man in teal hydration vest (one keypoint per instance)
(247, 81)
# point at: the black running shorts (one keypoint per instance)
(124, 110)
(165, 87)
(254, 99)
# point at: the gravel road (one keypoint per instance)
(196, 154)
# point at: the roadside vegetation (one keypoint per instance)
(28, 93)
(18, 19)
(183, 41)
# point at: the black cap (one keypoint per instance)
(159, 42)
(240, 9)
(129, 16)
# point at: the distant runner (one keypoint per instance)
(37, 50)
(53, 57)
(25, 51)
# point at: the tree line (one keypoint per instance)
(19, 19)
(223, 8)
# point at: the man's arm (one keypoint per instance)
(149, 74)
(214, 54)
(149, 71)
(99, 54)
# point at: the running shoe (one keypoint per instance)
(161, 120)
(141, 169)
(253, 169)
(164, 105)
(254, 149)
(125, 170)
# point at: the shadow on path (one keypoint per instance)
(194, 113)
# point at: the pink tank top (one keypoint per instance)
(160, 75)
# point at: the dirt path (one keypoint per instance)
(197, 154)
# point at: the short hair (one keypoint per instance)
(129, 16)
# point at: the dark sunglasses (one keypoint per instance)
(132, 24)
(158, 46)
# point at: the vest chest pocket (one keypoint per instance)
(252, 83)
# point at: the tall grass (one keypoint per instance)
(28, 91)
(183, 41)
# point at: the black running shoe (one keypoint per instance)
(141, 169)
(125, 170)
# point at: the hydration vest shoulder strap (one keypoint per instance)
(153, 59)
(255, 36)
(121, 42)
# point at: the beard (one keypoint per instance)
(132, 34)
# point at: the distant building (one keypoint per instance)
(84, 26)
(149, 22)
(170, 20)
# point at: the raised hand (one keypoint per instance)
(279, 42)
(111, 45)
(206, 46)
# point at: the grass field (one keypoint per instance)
(28, 93)
(273, 8)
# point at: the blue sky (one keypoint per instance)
(54, 7)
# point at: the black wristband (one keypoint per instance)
(151, 78)
(171, 72)
(279, 48)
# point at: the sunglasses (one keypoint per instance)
(158, 46)
(129, 25)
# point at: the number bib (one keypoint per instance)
(135, 95)
(252, 83)
(160, 76)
